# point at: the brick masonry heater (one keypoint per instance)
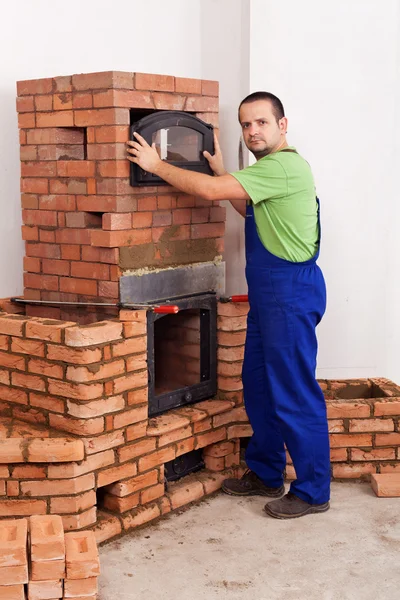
(111, 416)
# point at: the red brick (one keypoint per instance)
(79, 587)
(26, 120)
(101, 116)
(135, 432)
(82, 100)
(41, 282)
(152, 493)
(373, 454)
(156, 458)
(44, 589)
(78, 286)
(79, 391)
(63, 118)
(130, 346)
(90, 270)
(29, 472)
(43, 367)
(47, 570)
(12, 592)
(55, 136)
(209, 88)
(13, 541)
(136, 450)
(46, 538)
(71, 252)
(98, 333)
(351, 440)
(96, 408)
(134, 484)
(58, 488)
(181, 494)
(145, 81)
(106, 79)
(371, 425)
(84, 168)
(80, 521)
(142, 219)
(187, 86)
(11, 395)
(56, 267)
(29, 201)
(123, 99)
(352, 471)
(46, 329)
(110, 134)
(386, 485)
(28, 153)
(115, 221)
(13, 575)
(44, 102)
(201, 104)
(92, 463)
(25, 104)
(347, 410)
(104, 442)
(140, 516)
(130, 381)
(35, 185)
(79, 356)
(17, 508)
(114, 474)
(62, 101)
(70, 504)
(28, 381)
(390, 407)
(165, 101)
(43, 250)
(12, 362)
(387, 439)
(34, 86)
(30, 233)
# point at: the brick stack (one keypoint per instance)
(84, 225)
(46, 564)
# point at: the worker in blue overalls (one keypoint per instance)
(287, 298)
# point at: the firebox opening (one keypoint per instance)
(182, 354)
(177, 351)
(184, 465)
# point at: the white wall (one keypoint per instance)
(226, 24)
(46, 38)
(333, 64)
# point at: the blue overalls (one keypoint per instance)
(283, 400)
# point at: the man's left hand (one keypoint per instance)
(142, 154)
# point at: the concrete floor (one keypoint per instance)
(228, 548)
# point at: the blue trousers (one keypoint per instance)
(283, 400)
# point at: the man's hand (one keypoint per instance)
(142, 154)
(216, 161)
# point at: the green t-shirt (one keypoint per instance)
(282, 189)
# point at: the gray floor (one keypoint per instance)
(227, 548)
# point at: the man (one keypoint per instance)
(287, 298)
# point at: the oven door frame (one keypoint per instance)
(170, 118)
(207, 387)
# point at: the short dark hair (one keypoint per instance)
(277, 106)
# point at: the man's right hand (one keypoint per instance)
(216, 161)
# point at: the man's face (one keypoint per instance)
(262, 133)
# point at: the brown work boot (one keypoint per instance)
(290, 507)
(251, 485)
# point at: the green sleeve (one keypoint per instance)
(265, 180)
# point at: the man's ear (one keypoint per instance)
(283, 124)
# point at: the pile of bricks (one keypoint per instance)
(39, 562)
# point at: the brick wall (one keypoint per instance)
(84, 225)
(83, 389)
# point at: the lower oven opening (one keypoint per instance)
(182, 354)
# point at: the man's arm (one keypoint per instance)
(207, 187)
